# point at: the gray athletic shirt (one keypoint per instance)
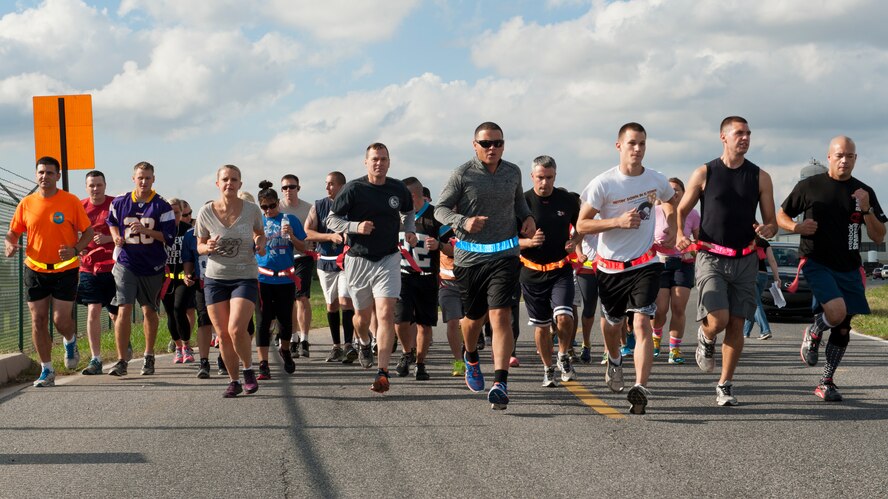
(234, 257)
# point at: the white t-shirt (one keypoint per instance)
(612, 193)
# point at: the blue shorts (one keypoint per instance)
(828, 284)
(97, 288)
(677, 273)
(219, 290)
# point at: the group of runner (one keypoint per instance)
(386, 259)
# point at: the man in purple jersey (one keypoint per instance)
(142, 224)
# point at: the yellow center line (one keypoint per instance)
(591, 400)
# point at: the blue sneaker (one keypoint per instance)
(474, 378)
(625, 351)
(47, 378)
(630, 341)
(72, 355)
(498, 396)
(586, 355)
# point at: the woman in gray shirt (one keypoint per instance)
(229, 230)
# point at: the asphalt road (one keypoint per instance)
(321, 432)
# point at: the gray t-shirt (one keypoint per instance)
(234, 257)
(301, 212)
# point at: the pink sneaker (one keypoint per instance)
(513, 362)
(179, 358)
(188, 355)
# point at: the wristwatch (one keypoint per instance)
(869, 211)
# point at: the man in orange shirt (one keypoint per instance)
(58, 230)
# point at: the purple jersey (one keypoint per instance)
(141, 254)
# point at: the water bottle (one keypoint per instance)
(285, 222)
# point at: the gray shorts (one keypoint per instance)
(726, 283)
(132, 287)
(368, 279)
(449, 300)
(333, 285)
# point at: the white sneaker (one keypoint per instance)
(549, 377)
(566, 368)
(613, 376)
(724, 395)
(705, 352)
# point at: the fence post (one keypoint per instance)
(21, 295)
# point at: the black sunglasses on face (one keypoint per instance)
(487, 143)
(266, 207)
(288, 187)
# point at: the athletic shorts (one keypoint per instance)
(827, 284)
(549, 299)
(333, 285)
(449, 300)
(368, 279)
(219, 290)
(488, 285)
(633, 290)
(677, 273)
(131, 287)
(418, 303)
(588, 284)
(97, 288)
(578, 298)
(725, 283)
(60, 285)
(303, 268)
(200, 304)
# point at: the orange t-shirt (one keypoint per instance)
(49, 222)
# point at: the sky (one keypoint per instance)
(302, 87)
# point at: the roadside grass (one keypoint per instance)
(876, 323)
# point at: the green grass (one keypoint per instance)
(876, 323)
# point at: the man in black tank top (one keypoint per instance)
(730, 189)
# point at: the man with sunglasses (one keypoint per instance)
(482, 201)
(303, 262)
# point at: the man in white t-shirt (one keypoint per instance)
(628, 270)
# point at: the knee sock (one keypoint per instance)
(348, 325)
(835, 350)
(333, 320)
(658, 332)
(820, 325)
(674, 342)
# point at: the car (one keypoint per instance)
(798, 304)
(885, 272)
(877, 273)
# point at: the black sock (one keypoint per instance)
(333, 320)
(501, 376)
(472, 356)
(348, 325)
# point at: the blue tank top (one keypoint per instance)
(728, 204)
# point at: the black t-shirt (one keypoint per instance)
(426, 226)
(554, 215)
(836, 243)
(174, 251)
(359, 200)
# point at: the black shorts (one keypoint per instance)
(418, 303)
(488, 285)
(60, 285)
(633, 290)
(200, 304)
(677, 273)
(304, 268)
(97, 288)
(551, 298)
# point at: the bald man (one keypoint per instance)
(834, 205)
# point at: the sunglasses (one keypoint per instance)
(288, 187)
(266, 207)
(187, 214)
(485, 144)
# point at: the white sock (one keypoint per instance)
(73, 340)
(616, 361)
(303, 336)
(46, 365)
(97, 357)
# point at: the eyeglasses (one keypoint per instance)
(485, 144)
(187, 214)
(266, 207)
(288, 187)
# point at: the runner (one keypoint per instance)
(372, 209)
(482, 201)
(195, 266)
(303, 261)
(229, 231)
(547, 276)
(765, 257)
(96, 288)
(628, 272)
(834, 206)
(333, 283)
(451, 306)
(677, 278)
(52, 219)
(277, 279)
(142, 224)
(587, 283)
(729, 189)
(179, 297)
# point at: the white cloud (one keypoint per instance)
(341, 20)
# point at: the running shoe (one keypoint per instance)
(204, 371)
(513, 362)
(657, 340)
(603, 358)
(549, 377)
(335, 355)
(566, 368)
(303, 349)
(148, 366)
(810, 344)
(47, 378)
(179, 357)
(264, 370)
(351, 355)
(586, 355)
(481, 343)
(94, 367)
(459, 368)
(675, 356)
(573, 355)
(365, 356)
(287, 358)
(498, 396)
(827, 390)
(188, 355)
(72, 355)
(474, 378)
(403, 367)
(613, 377)
(724, 394)
(625, 351)
(234, 389)
(220, 364)
(705, 352)
(374, 345)
(171, 346)
(381, 383)
(294, 348)
(638, 399)
(630, 341)
(214, 342)
(118, 369)
(765, 336)
(250, 383)
(420, 373)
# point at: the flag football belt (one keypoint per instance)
(487, 248)
(686, 257)
(547, 267)
(179, 277)
(618, 265)
(290, 272)
(717, 249)
(52, 266)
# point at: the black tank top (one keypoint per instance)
(728, 204)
